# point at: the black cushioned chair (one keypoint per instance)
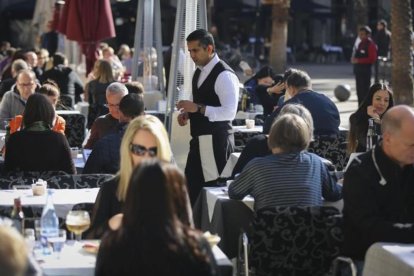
(7, 183)
(238, 122)
(259, 119)
(241, 139)
(331, 148)
(78, 181)
(295, 240)
(75, 128)
(10, 179)
(66, 101)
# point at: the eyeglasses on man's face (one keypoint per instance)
(29, 84)
(111, 105)
(141, 150)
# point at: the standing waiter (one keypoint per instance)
(363, 57)
(215, 96)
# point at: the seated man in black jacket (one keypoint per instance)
(324, 112)
(105, 155)
(68, 80)
(378, 189)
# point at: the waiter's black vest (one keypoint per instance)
(205, 94)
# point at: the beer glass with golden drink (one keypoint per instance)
(78, 222)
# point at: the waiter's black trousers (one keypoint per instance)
(363, 80)
(223, 146)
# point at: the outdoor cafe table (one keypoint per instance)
(389, 259)
(244, 129)
(63, 199)
(215, 212)
(74, 260)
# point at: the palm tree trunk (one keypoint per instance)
(280, 16)
(402, 61)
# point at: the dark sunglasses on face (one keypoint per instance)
(141, 150)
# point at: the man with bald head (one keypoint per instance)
(108, 123)
(31, 58)
(14, 102)
(378, 188)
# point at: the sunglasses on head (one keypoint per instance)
(141, 150)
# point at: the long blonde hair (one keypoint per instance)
(155, 127)
(103, 72)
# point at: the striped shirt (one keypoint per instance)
(286, 179)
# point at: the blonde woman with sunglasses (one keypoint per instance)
(144, 138)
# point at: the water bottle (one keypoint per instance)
(371, 136)
(49, 224)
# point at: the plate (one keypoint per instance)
(91, 248)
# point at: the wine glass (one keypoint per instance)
(78, 222)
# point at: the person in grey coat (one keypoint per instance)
(13, 103)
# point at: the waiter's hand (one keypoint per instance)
(182, 119)
(354, 60)
(187, 106)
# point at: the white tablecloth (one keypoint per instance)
(213, 194)
(63, 199)
(258, 129)
(247, 115)
(75, 261)
(385, 259)
(2, 138)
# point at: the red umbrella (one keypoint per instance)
(87, 22)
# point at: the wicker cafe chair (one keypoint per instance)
(294, 240)
(78, 181)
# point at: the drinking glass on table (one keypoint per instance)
(29, 236)
(6, 123)
(37, 228)
(78, 222)
(58, 242)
